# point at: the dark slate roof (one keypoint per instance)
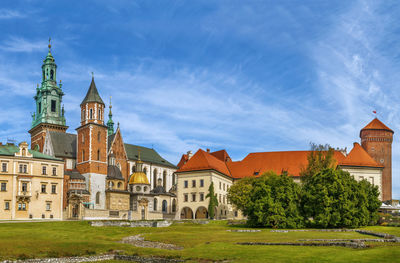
(159, 190)
(64, 144)
(74, 175)
(11, 149)
(146, 155)
(110, 140)
(113, 172)
(92, 95)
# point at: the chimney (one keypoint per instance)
(189, 154)
(208, 150)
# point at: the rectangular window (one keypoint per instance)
(220, 197)
(220, 185)
(3, 187)
(193, 197)
(7, 205)
(223, 187)
(201, 197)
(43, 188)
(24, 187)
(25, 168)
(48, 206)
(90, 114)
(186, 197)
(201, 183)
(361, 178)
(193, 183)
(83, 155)
(224, 199)
(186, 184)
(21, 168)
(21, 206)
(53, 189)
(4, 167)
(44, 170)
(54, 171)
(53, 105)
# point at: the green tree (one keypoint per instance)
(333, 198)
(213, 201)
(321, 157)
(268, 201)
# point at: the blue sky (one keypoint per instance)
(259, 76)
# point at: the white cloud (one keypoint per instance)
(19, 44)
(10, 14)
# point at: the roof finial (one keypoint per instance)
(110, 103)
(49, 44)
(92, 75)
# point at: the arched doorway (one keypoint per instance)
(174, 206)
(201, 213)
(186, 213)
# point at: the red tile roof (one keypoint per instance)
(359, 157)
(258, 163)
(202, 160)
(222, 155)
(255, 164)
(376, 124)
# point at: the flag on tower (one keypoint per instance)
(374, 111)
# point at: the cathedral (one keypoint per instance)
(104, 177)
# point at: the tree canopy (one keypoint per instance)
(268, 201)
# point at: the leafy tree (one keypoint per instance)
(321, 157)
(268, 201)
(333, 198)
(213, 201)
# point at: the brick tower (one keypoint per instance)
(49, 114)
(376, 139)
(92, 146)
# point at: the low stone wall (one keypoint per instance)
(63, 260)
(158, 223)
(376, 234)
(312, 244)
(147, 260)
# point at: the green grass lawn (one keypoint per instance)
(208, 242)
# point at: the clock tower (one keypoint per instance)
(49, 114)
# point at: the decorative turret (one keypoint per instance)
(376, 139)
(139, 183)
(110, 123)
(48, 114)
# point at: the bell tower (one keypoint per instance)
(376, 139)
(92, 146)
(49, 114)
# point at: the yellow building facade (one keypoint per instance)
(31, 184)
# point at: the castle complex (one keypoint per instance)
(94, 174)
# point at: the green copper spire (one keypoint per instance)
(110, 123)
(49, 96)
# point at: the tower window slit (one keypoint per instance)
(53, 105)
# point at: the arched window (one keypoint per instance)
(119, 185)
(155, 205)
(164, 180)
(51, 74)
(99, 114)
(145, 171)
(174, 206)
(154, 178)
(83, 115)
(133, 168)
(164, 206)
(90, 114)
(97, 198)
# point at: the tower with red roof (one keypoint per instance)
(376, 139)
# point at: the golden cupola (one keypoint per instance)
(139, 177)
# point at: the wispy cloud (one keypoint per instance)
(10, 14)
(20, 44)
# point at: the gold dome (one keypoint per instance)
(138, 178)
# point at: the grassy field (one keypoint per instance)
(200, 242)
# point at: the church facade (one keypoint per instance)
(99, 167)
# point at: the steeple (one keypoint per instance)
(48, 96)
(110, 123)
(92, 95)
(49, 115)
